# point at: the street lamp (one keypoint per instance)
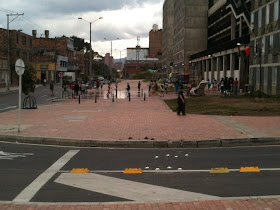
(8, 47)
(111, 51)
(90, 54)
(260, 57)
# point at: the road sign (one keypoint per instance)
(61, 74)
(20, 70)
(20, 67)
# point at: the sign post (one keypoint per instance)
(61, 75)
(19, 70)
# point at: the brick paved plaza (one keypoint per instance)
(137, 119)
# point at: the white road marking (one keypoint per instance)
(28, 193)
(139, 192)
(11, 156)
(9, 107)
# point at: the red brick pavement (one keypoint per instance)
(266, 204)
(121, 120)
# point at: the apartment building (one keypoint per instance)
(265, 47)
(167, 35)
(228, 37)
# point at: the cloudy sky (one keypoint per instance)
(123, 19)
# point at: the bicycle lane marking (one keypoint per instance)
(28, 193)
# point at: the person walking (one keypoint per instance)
(76, 89)
(128, 88)
(181, 102)
(51, 88)
(235, 86)
(139, 86)
(83, 90)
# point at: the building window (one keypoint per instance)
(252, 20)
(24, 56)
(274, 76)
(271, 44)
(23, 40)
(260, 18)
(263, 45)
(276, 10)
(30, 42)
(30, 57)
(267, 14)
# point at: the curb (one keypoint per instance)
(143, 144)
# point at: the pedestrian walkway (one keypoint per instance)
(238, 204)
(135, 120)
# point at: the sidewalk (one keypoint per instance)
(134, 120)
(266, 204)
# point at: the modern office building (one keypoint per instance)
(190, 31)
(265, 47)
(228, 37)
(167, 35)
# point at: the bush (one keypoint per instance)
(28, 80)
(256, 94)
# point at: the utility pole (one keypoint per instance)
(8, 47)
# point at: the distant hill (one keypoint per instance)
(118, 60)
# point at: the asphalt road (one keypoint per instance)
(25, 167)
(9, 101)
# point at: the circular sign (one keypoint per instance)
(61, 74)
(20, 67)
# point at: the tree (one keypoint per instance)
(80, 43)
(28, 80)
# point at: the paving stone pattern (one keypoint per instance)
(265, 204)
(124, 120)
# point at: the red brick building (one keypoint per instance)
(155, 42)
(21, 46)
(109, 60)
(53, 55)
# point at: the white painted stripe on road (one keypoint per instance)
(130, 190)
(168, 171)
(28, 193)
(9, 107)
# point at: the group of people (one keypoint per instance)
(228, 85)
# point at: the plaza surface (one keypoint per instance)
(138, 119)
(266, 203)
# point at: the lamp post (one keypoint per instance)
(90, 54)
(111, 52)
(8, 47)
(259, 48)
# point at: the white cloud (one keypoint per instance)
(126, 22)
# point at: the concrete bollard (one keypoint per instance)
(144, 96)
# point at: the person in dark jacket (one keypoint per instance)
(181, 101)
